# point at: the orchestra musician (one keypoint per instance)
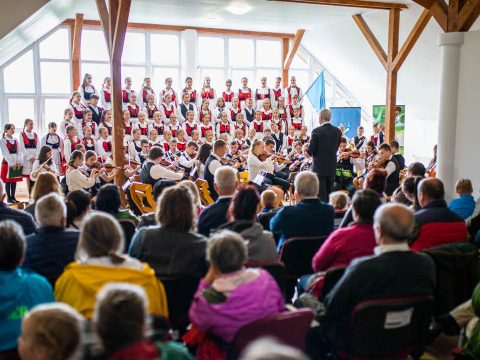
(156, 168)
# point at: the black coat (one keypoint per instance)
(213, 216)
(22, 218)
(323, 147)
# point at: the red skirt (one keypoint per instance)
(4, 174)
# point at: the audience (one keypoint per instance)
(436, 224)
(242, 214)
(215, 215)
(269, 209)
(78, 205)
(109, 200)
(190, 185)
(150, 219)
(339, 201)
(45, 184)
(309, 217)
(464, 205)
(414, 169)
(52, 247)
(410, 192)
(19, 290)
(172, 248)
(50, 331)
(7, 213)
(270, 349)
(232, 296)
(393, 271)
(98, 261)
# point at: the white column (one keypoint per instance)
(189, 56)
(450, 46)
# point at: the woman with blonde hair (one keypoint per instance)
(45, 184)
(99, 260)
(190, 185)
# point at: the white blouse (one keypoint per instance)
(255, 166)
(76, 180)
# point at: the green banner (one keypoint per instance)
(378, 113)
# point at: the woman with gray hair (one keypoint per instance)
(231, 296)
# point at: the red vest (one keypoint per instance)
(78, 110)
(12, 147)
(166, 146)
(259, 96)
(108, 96)
(290, 140)
(92, 125)
(233, 114)
(224, 128)
(277, 93)
(181, 146)
(243, 96)
(89, 144)
(208, 94)
(109, 128)
(297, 125)
(290, 110)
(143, 130)
(228, 97)
(168, 112)
(159, 129)
(204, 129)
(174, 129)
(243, 127)
(283, 115)
(73, 144)
(107, 146)
(189, 128)
(151, 111)
(279, 123)
(203, 113)
(133, 110)
(171, 92)
(258, 127)
(193, 95)
(128, 129)
(145, 93)
(266, 116)
(125, 95)
(29, 143)
(289, 93)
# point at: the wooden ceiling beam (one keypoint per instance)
(76, 50)
(120, 29)
(350, 3)
(468, 15)
(371, 39)
(103, 14)
(293, 49)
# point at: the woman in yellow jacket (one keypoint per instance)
(99, 260)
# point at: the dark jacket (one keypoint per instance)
(213, 216)
(49, 251)
(392, 274)
(171, 254)
(22, 218)
(310, 217)
(265, 215)
(323, 147)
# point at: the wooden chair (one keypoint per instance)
(291, 196)
(142, 196)
(243, 178)
(204, 192)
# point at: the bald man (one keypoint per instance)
(394, 271)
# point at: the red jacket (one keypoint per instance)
(439, 233)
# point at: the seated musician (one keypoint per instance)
(91, 163)
(307, 162)
(369, 155)
(143, 154)
(281, 169)
(345, 172)
(75, 178)
(187, 159)
(296, 156)
(395, 146)
(157, 168)
(235, 156)
(390, 164)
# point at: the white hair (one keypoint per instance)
(307, 184)
(269, 349)
(50, 210)
(225, 177)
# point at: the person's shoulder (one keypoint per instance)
(36, 280)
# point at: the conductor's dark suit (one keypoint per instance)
(323, 147)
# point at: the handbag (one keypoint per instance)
(15, 173)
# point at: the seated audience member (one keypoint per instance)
(232, 296)
(394, 271)
(270, 349)
(19, 290)
(172, 248)
(45, 184)
(352, 242)
(150, 219)
(109, 200)
(339, 201)
(52, 247)
(98, 261)
(152, 171)
(51, 331)
(121, 322)
(269, 202)
(7, 213)
(464, 205)
(78, 205)
(225, 183)
(376, 181)
(410, 192)
(197, 202)
(414, 169)
(436, 224)
(242, 215)
(309, 217)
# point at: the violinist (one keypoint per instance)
(143, 155)
(44, 163)
(345, 174)
(214, 162)
(135, 146)
(187, 159)
(296, 156)
(91, 164)
(368, 156)
(153, 171)
(307, 162)
(390, 164)
(280, 169)
(235, 157)
(75, 178)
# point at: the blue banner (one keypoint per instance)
(349, 117)
(316, 92)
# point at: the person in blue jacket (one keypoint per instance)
(464, 205)
(19, 290)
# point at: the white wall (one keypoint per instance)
(467, 162)
(342, 48)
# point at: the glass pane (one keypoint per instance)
(56, 46)
(159, 76)
(217, 79)
(55, 77)
(19, 76)
(298, 63)
(302, 78)
(93, 45)
(98, 71)
(268, 53)
(53, 111)
(134, 48)
(210, 51)
(271, 74)
(237, 76)
(164, 49)
(19, 110)
(240, 52)
(137, 73)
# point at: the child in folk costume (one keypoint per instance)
(209, 138)
(303, 136)
(172, 154)
(281, 124)
(292, 90)
(28, 147)
(142, 125)
(167, 137)
(228, 94)
(167, 108)
(132, 107)
(252, 135)
(244, 93)
(258, 124)
(169, 90)
(143, 155)
(153, 138)
(183, 107)
(278, 137)
(96, 110)
(283, 112)
(173, 126)
(77, 106)
(145, 91)
(291, 137)
(88, 140)
(181, 140)
(106, 93)
(135, 145)
(67, 120)
(12, 161)
(190, 124)
(106, 122)
(149, 106)
(296, 121)
(219, 109)
(158, 124)
(295, 105)
(43, 164)
(235, 109)
(76, 178)
(190, 91)
(104, 146)
(204, 110)
(262, 93)
(208, 92)
(239, 124)
(248, 111)
(87, 89)
(127, 90)
(267, 110)
(69, 143)
(127, 125)
(196, 137)
(87, 121)
(239, 137)
(56, 144)
(206, 125)
(225, 126)
(277, 92)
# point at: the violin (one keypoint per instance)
(263, 157)
(165, 163)
(107, 167)
(354, 154)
